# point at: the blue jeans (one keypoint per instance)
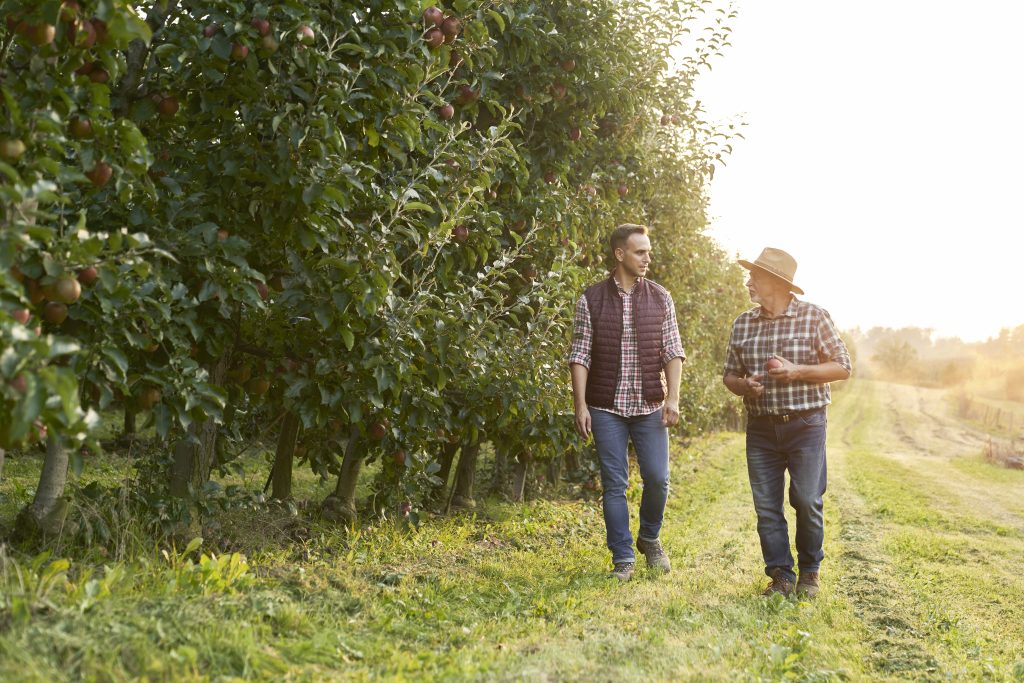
(797, 446)
(650, 438)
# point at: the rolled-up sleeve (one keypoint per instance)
(732, 359)
(582, 335)
(671, 344)
(830, 344)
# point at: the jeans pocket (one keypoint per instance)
(815, 419)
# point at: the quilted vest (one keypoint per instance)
(650, 305)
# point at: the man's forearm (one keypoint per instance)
(673, 372)
(735, 383)
(579, 384)
(830, 371)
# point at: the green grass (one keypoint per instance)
(915, 587)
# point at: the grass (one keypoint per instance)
(916, 586)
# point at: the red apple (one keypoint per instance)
(67, 290)
(35, 292)
(85, 69)
(263, 289)
(262, 26)
(399, 457)
(405, 508)
(519, 225)
(22, 315)
(222, 235)
(675, 119)
(665, 119)
(558, 90)
(378, 430)
(575, 133)
(19, 383)
(55, 312)
(451, 27)
(568, 65)
(268, 46)
(81, 35)
(69, 10)
(80, 128)
(467, 94)
(445, 112)
(168, 106)
(211, 30)
(305, 35)
(622, 190)
(100, 174)
(42, 34)
(100, 27)
(460, 233)
(239, 52)
(149, 397)
(434, 37)
(550, 177)
(772, 364)
(432, 16)
(99, 75)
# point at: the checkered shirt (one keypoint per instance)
(804, 334)
(629, 392)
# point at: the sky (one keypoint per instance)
(884, 149)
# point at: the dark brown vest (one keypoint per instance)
(650, 306)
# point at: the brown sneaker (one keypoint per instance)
(623, 571)
(807, 585)
(655, 554)
(779, 584)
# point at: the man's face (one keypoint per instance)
(761, 285)
(636, 256)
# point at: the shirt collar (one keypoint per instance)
(631, 289)
(790, 312)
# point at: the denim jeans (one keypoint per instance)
(797, 446)
(650, 438)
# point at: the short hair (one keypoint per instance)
(621, 234)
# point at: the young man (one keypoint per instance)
(626, 360)
(781, 357)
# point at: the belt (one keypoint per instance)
(784, 417)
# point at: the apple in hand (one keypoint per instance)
(772, 364)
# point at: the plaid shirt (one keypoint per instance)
(805, 335)
(629, 392)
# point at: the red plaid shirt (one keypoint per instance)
(803, 334)
(629, 392)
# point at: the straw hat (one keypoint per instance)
(775, 262)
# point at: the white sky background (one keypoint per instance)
(884, 149)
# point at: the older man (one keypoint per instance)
(626, 360)
(782, 355)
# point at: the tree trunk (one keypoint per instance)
(448, 451)
(522, 468)
(194, 453)
(572, 461)
(555, 470)
(465, 475)
(129, 422)
(1, 464)
(342, 503)
(500, 476)
(282, 473)
(46, 513)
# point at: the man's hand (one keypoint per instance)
(583, 422)
(753, 385)
(670, 413)
(787, 372)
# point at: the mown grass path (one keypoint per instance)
(921, 582)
